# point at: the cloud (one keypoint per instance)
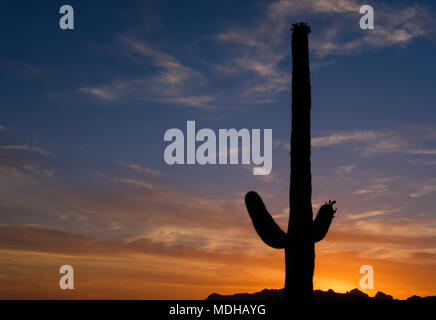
(265, 46)
(399, 238)
(393, 25)
(163, 241)
(43, 239)
(411, 140)
(424, 162)
(169, 227)
(374, 190)
(23, 69)
(129, 202)
(163, 219)
(140, 169)
(420, 151)
(173, 83)
(282, 144)
(138, 183)
(25, 147)
(255, 57)
(19, 165)
(202, 101)
(374, 213)
(343, 170)
(102, 93)
(423, 189)
(408, 227)
(344, 137)
(418, 233)
(172, 70)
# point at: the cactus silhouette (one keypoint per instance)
(303, 231)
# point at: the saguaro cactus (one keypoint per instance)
(303, 231)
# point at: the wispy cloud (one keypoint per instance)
(169, 222)
(377, 189)
(140, 169)
(172, 70)
(344, 137)
(424, 162)
(423, 189)
(368, 214)
(344, 170)
(25, 147)
(404, 230)
(24, 69)
(103, 93)
(138, 183)
(394, 26)
(259, 53)
(411, 140)
(266, 45)
(173, 83)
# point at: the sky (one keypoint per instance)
(83, 114)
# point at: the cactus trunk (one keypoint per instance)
(303, 231)
(300, 251)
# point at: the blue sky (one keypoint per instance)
(83, 114)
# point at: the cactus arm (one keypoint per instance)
(323, 219)
(266, 227)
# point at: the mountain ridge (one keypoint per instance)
(319, 295)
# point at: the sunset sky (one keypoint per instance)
(83, 113)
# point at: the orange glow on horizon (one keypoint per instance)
(29, 275)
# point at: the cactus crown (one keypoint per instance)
(301, 27)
